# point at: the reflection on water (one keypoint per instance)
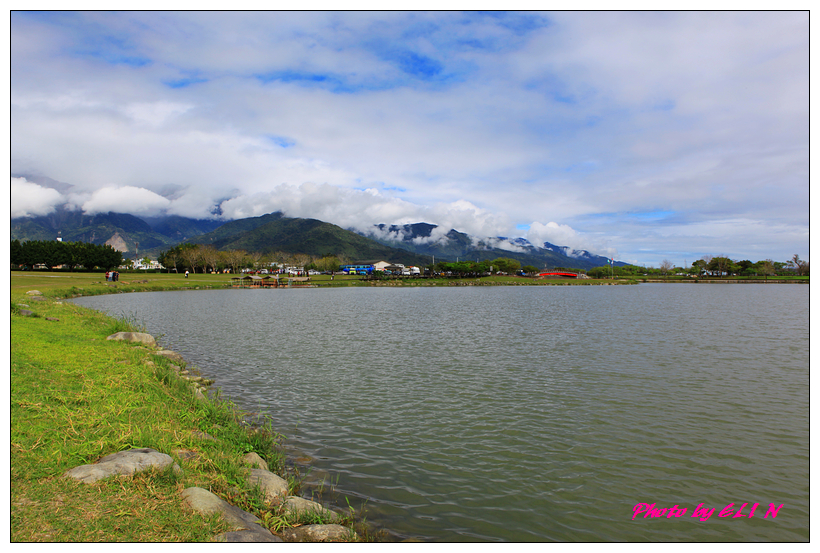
(523, 413)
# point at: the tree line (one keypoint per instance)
(53, 254)
(480, 268)
(205, 258)
(715, 266)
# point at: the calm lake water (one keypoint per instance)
(523, 413)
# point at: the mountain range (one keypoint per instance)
(411, 244)
(427, 239)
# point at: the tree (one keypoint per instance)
(31, 253)
(800, 267)
(665, 266)
(599, 272)
(529, 269)
(208, 257)
(745, 267)
(505, 265)
(766, 268)
(301, 260)
(190, 257)
(721, 264)
(328, 264)
(254, 258)
(16, 253)
(110, 257)
(73, 254)
(169, 259)
(235, 259)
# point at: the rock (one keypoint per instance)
(254, 460)
(34, 293)
(206, 503)
(185, 454)
(301, 506)
(52, 319)
(248, 536)
(319, 532)
(22, 305)
(26, 313)
(141, 337)
(170, 355)
(203, 435)
(274, 487)
(122, 463)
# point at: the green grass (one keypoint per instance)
(76, 397)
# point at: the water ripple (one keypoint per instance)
(523, 414)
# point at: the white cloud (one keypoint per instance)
(30, 200)
(125, 199)
(361, 209)
(457, 119)
(154, 114)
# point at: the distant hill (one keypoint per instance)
(75, 226)
(421, 238)
(181, 229)
(275, 232)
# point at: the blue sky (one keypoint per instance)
(640, 135)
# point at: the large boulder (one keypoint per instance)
(304, 507)
(122, 463)
(248, 536)
(274, 487)
(170, 355)
(141, 337)
(253, 459)
(207, 503)
(319, 532)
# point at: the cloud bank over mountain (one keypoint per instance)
(653, 134)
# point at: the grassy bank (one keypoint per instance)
(76, 397)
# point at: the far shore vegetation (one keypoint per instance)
(56, 256)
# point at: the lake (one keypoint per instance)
(523, 413)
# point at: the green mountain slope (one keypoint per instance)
(233, 230)
(75, 226)
(305, 236)
(180, 229)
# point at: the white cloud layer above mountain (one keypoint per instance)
(30, 200)
(648, 135)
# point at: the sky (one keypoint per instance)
(643, 136)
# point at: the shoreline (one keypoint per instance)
(55, 342)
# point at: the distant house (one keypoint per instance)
(152, 264)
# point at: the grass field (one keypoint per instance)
(76, 397)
